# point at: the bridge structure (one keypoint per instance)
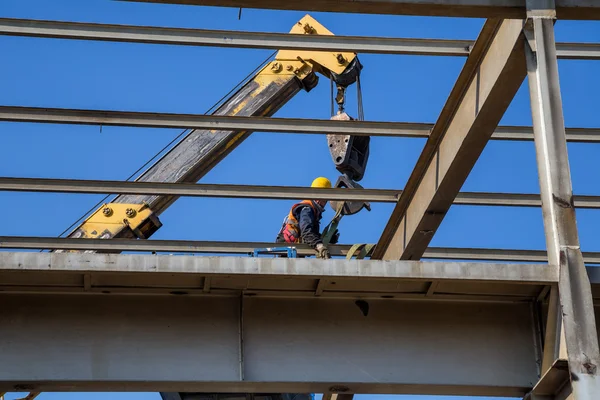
(480, 322)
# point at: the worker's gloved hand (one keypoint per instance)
(322, 251)
(335, 237)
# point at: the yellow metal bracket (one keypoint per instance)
(301, 63)
(111, 219)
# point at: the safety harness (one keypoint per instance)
(290, 229)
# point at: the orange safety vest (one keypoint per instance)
(290, 229)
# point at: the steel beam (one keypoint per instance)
(525, 133)
(515, 9)
(507, 255)
(261, 124)
(578, 51)
(162, 343)
(262, 40)
(485, 87)
(266, 192)
(118, 245)
(204, 190)
(209, 122)
(188, 246)
(215, 325)
(237, 39)
(562, 240)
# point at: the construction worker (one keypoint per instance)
(302, 224)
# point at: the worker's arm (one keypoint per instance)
(309, 227)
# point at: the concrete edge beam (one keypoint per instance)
(278, 267)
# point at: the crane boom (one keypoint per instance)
(201, 150)
(136, 216)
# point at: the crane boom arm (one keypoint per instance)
(130, 216)
(201, 150)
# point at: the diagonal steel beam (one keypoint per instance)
(566, 9)
(485, 87)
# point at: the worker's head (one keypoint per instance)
(321, 182)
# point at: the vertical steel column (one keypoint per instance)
(562, 239)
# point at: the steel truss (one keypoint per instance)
(536, 322)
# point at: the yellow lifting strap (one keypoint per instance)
(333, 224)
(361, 250)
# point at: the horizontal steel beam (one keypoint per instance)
(518, 200)
(238, 39)
(255, 344)
(578, 51)
(265, 192)
(196, 190)
(211, 247)
(481, 254)
(525, 133)
(263, 40)
(209, 122)
(172, 246)
(260, 124)
(506, 9)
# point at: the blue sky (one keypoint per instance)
(135, 77)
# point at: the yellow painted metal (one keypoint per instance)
(112, 218)
(302, 62)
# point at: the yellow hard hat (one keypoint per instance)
(321, 182)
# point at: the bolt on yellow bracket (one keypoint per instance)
(112, 219)
(302, 63)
